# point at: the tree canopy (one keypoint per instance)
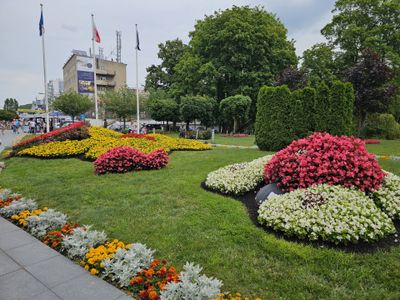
(73, 104)
(10, 104)
(236, 109)
(121, 102)
(361, 24)
(197, 108)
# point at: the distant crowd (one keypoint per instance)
(26, 126)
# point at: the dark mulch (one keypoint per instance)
(363, 247)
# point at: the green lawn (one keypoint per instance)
(386, 147)
(168, 211)
(239, 141)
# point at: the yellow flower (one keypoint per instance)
(94, 271)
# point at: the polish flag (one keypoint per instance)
(96, 35)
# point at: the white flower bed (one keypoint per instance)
(49, 220)
(343, 216)
(238, 178)
(388, 196)
(78, 243)
(192, 285)
(18, 206)
(121, 267)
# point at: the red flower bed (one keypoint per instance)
(138, 136)
(372, 141)
(74, 131)
(124, 159)
(323, 158)
(54, 238)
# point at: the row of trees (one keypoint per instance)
(238, 50)
(9, 111)
(284, 115)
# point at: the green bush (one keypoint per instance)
(201, 135)
(342, 108)
(272, 130)
(382, 126)
(323, 107)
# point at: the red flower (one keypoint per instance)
(323, 158)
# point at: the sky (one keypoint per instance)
(68, 26)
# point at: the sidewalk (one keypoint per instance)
(9, 138)
(31, 270)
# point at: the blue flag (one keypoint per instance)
(41, 24)
(137, 39)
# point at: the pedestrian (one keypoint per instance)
(17, 125)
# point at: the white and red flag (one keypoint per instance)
(96, 35)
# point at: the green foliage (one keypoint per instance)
(161, 77)
(7, 115)
(163, 110)
(235, 109)
(361, 24)
(221, 59)
(342, 108)
(10, 104)
(72, 104)
(283, 116)
(197, 108)
(394, 108)
(323, 108)
(272, 130)
(121, 102)
(318, 64)
(382, 126)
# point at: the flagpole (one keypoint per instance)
(137, 88)
(94, 72)
(45, 77)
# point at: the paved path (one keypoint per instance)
(9, 138)
(31, 270)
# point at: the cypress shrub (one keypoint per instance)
(272, 129)
(298, 116)
(323, 108)
(339, 109)
(308, 96)
(349, 116)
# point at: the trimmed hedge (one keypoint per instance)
(284, 116)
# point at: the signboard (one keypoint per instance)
(84, 63)
(85, 82)
(84, 66)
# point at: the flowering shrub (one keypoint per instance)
(20, 218)
(345, 215)
(94, 257)
(78, 243)
(138, 136)
(71, 132)
(18, 206)
(388, 196)
(238, 178)
(54, 238)
(125, 159)
(39, 225)
(149, 282)
(124, 263)
(323, 158)
(372, 141)
(192, 285)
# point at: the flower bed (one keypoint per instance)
(372, 141)
(101, 140)
(75, 131)
(125, 159)
(328, 213)
(132, 267)
(138, 136)
(387, 196)
(238, 178)
(323, 158)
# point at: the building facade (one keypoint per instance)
(54, 89)
(78, 74)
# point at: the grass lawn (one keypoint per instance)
(168, 211)
(386, 147)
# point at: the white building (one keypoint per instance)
(55, 88)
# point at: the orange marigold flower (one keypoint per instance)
(154, 263)
(153, 295)
(143, 293)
